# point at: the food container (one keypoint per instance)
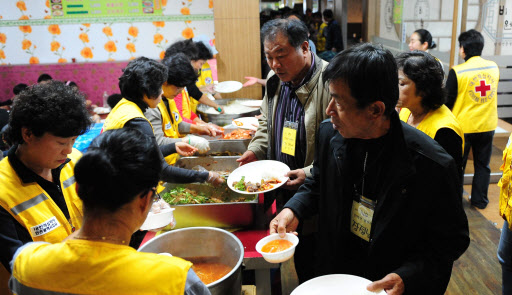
(215, 244)
(226, 147)
(225, 119)
(230, 214)
(281, 256)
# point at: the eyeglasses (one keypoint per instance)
(156, 195)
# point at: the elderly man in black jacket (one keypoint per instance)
(387, 195)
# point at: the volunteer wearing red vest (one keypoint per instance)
(472, 96)
(116, 181)
(37, 183)
(188, 99)
(420, 81)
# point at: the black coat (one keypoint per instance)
(419, 227)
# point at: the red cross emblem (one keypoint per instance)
(483, 88)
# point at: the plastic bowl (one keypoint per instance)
(159, 220)
(281, 256)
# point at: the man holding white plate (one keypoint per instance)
(292, 109)
(387, 195)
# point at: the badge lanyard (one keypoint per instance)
(362, 211)
(289, 137)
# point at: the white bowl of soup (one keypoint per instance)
(275, 249)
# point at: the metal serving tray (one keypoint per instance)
(224, 119)
(223, 215)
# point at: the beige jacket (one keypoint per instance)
(313, 95)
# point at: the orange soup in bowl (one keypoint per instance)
(276, 246)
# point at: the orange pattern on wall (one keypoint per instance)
(107, 31)
(86, 53)
(54, 29)
(84, 37)
(133, 31)
(21, 5)
(157, 38)
(25, 44)
(33, 60)
(187, 33)
(110, 46)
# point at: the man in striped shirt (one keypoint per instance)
(292, 109)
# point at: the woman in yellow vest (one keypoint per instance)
(505, 245)
(141, 87)
(116, 181)
(166, 119)
(420, 79)
(37, 184)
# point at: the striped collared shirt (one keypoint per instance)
(289, 108)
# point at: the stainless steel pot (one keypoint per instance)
(207, 242)
(224, 119)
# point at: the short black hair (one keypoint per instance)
(113, 99)
(180, 70)
(425, 36)
(44, 77)
(185, 46)
(327, 13)
(19, 88)
(370, 72)
(50, 107)
(71, 84)
(296, 14)
(118, 165)
(294, 30)
(473, 43)
(142, 76)
(204, 52)
(427, 74)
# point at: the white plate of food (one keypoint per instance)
(250, 123)
(335, 284)
(258, 177)
(255, 103)
(228, 86)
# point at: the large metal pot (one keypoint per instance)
(205, 242)
(224, 119)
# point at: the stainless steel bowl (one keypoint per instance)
(206, 242)
(224, 119)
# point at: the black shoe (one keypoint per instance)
(479, 206)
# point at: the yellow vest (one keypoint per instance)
(33, 207)
(123, 112)
(186, 107)
(506, 186)
(476, 106)
(435, 120)
(90, 267)
(170, 125)
(206, 77)
(320, 39)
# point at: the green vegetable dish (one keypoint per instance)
(181, 196)
(240, 185)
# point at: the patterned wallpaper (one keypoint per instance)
(29, 35)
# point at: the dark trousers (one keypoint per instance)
(481, 143)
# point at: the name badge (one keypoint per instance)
(361, 218)
(168, 126)
(45, 227)
(289, 138)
